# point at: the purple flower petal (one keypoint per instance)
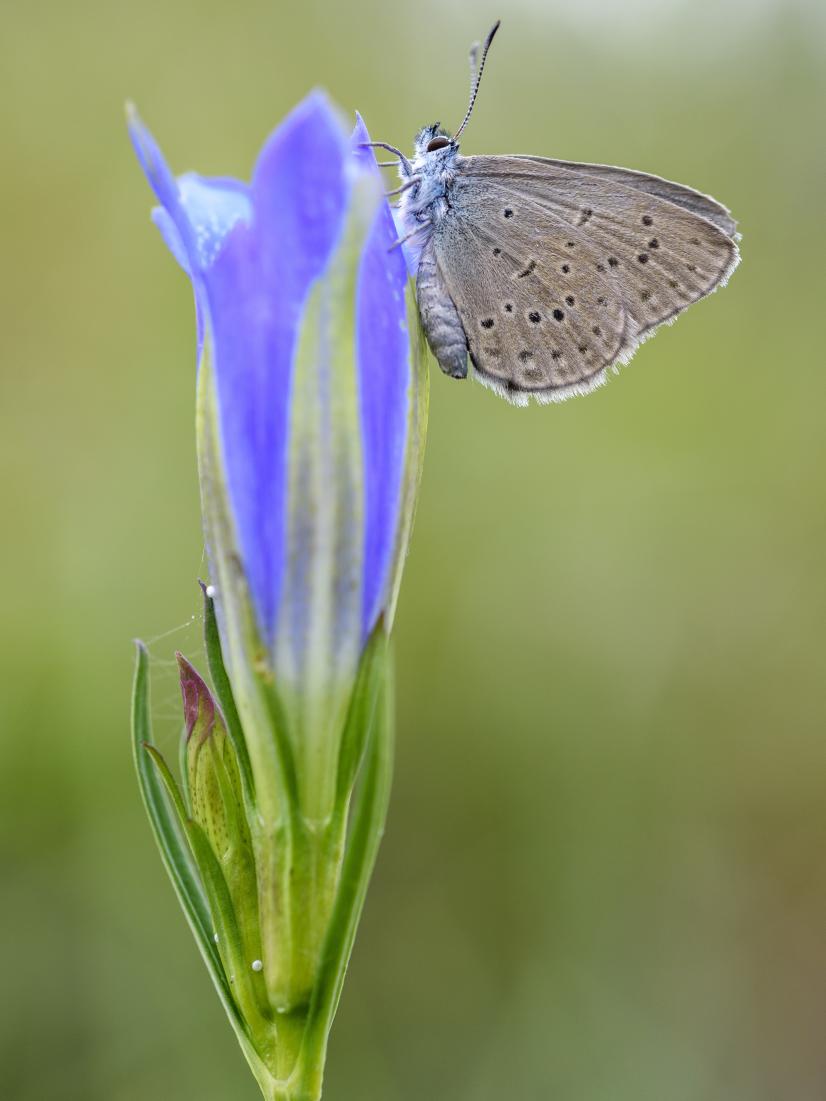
(255, 292)
(382, 350)
(196, 214)
(253, 253)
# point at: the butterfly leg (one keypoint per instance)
(412, 182)
(405, 163)
(408, 236)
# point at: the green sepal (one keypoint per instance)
(418, 406)
(283, 745)
(366, 830)
(223, 693)
(360, 713)
(170, 838)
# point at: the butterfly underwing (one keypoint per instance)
(545, 273)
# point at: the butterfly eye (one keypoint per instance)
(437, 143)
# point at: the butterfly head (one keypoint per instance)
(433, 139)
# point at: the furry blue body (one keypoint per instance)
(425, 204)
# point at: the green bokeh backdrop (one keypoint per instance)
(604, 875)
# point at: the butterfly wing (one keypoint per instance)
(679, 194)
(558, 273)
(536, 321)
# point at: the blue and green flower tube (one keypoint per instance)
(310, 421)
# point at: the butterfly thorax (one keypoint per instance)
(426, 201)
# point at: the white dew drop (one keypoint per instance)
(257, 965)
(210, 591)
(215, 937)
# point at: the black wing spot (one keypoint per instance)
(525, 355)
(529, 270)
(647, 220)
(645, 295)
(570, 244)
(602, 301)
(691, 267)
(569, 299)
(653, 243)
(556, 355)
(534, 317)
(487, 323)
(694, 240)
(558, 315)
(497, 252)
(597, 331)
(508, 212)
(565, 269)
(612, 261)
(600, 267)
(508, 307)
(673, 283)
(583, 348)
(586, 214)
(643, 257)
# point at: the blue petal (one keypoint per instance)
(255, 293)
(212, 207)
(252, 253)
(383, 351)
(196, 214)
(171, 236)
(161, 180)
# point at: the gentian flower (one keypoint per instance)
(311, 408)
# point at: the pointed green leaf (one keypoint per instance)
(172, 789)
(184, 771)
(221, 906)
(174, 853)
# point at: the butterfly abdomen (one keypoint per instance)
(440, 319)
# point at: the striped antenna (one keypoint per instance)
(476, 76)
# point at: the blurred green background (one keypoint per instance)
(604, 876)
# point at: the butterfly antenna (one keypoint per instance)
(476, 75)
(474, 61)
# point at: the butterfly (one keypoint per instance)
(543, 273)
